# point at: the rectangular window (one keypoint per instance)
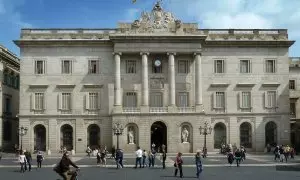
(130, 66)
(183, 99)
(270, 99)
(156, 99)
(293, 109)
(245, 66)
(292, 84)
(66, 67)
(93, 101)
(93, 66)
(219, 66)
(39, 99)
(66, 101)
(270, 66)
(220, 100)
(39, 67)
(183, 67)
(245, 100)
(130, 99)
(7, 105)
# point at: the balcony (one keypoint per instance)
(292, 115)
(158, 109)
(131, 110)
(186, 109)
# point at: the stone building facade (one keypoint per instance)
(9, 98)
(156, 77)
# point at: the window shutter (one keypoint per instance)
(44, 101)
(89, 67)
(99, 100)
(71, 101)
(59, 101)
(32, 101)
(225, 100)
(241, 99)
(266, 100)
(250, 99)
(277, 98)
(214, 99)
(87, 101)
(98, 67)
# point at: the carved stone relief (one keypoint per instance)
(156, 83)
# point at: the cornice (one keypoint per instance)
(157, 38)
(62, 42)
(250, 43)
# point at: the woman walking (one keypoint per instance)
(198, 163)
(230, 157)
(39, 159)
(22, 160)
(178, 165)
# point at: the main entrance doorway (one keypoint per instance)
(159, 135)
(66, 136)
(93, 136)
(40, 138)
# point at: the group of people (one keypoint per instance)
(284, 153)
(25, 159)
(237, 155)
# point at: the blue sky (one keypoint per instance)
(17, 14)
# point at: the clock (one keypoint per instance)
(157, 62)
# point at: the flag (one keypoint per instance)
(133, 1)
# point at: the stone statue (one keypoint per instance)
(185, 135)
(131, 137)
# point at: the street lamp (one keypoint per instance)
(205, 131)
(118, 130)
(22, 131)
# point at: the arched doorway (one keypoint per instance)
(295, 136)
(219, 135)
(271, 133)
(40, 138)
(66, 139)
(246, 135)
(159, 135)
(93, 137)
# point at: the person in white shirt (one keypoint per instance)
(22, 160)
(139, 155)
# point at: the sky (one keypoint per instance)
(253, 14)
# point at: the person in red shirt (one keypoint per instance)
(178, 164)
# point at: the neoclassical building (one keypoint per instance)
(9, 98)
(161, 79)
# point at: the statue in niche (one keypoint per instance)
(185, 135)
(130, 136)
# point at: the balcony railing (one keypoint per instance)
(158, 109)
(131, 110)
(292, 115)
(186, 109)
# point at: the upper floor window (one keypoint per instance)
(64, 101)
(17, 83)
(130, 99)
(219, 100)
(183, 66)
(40, 67)
(130, 66)
(293, 109)
(292, 84)
(157, 66)
(245, 100)
(92, 101)
(245, 66)
(7, 105)
(6, 77)
(93, 66)
(270, 99)
(270, 66)
(66, 67)
(38, 101)
(183, 99)
(219, 66)
(156, 99)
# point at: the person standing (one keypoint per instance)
(276, 153)
(39, 159)
(230, 157)
(88, 151)
(145, 154)
(139, 155)
(198, 164)
(113, 152)
(163, 158)
(22, 160)
(238, 157)
(178, 165)
(98, 156)
(153, 155)
(28, 160)
(281, 152)
(119, 158)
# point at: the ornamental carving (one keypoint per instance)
(157, 83)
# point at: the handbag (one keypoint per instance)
(175, 165)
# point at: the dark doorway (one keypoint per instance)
(271, 133)
(66, 137)
(93, 136)
(40, 138)
(219, 135)
(159, 135)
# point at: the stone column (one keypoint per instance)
(145, 88)
(198, 84)
(118, 94)
(171, 79)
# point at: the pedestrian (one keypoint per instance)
(287, 150)
(88, 151)
(238, 157)
(103, 156)
(292, 152)
(22, 161)
(139, 155)
(119, 158)
(145, 154)
(98, 157)
(28, 160)
(39, 159)
(230, 157)
(163, 158)
(243, 152)
(153, 155)
(198, 163)
(178, 165)
(281, 152)
(150, 158)
(276, 153)
(113, 152)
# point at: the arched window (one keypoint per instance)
(246, 135)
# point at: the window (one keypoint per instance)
(219, 66)
(64, 101)
(130, 99)
(7, 130)
(183, 99)
(293, 109)
(270, 99)
(93, 101)
(7, 105)
(40, 67)
(245, 66)
(219, 100)
(292, 84)
(270, 66)
(183, 67)
(17, 83)
(156, 99)
(245, 100)
(6, 78)
(130, 66)
(39, 101)
(93, 67)
(66, 67)
(157, 66)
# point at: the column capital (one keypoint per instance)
(144, 53)
(117, 53)
(171, 53)
(197, 53)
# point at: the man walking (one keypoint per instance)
(119, 158)
(28, 160)
(163, 158)
(139, 154)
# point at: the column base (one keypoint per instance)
(199, 108)
(172, 109)
(117, 109)
(49, 152)
(145, 109)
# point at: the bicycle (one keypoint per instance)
(74, 174)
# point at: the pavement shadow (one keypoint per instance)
(192, 177)
(288, 168)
